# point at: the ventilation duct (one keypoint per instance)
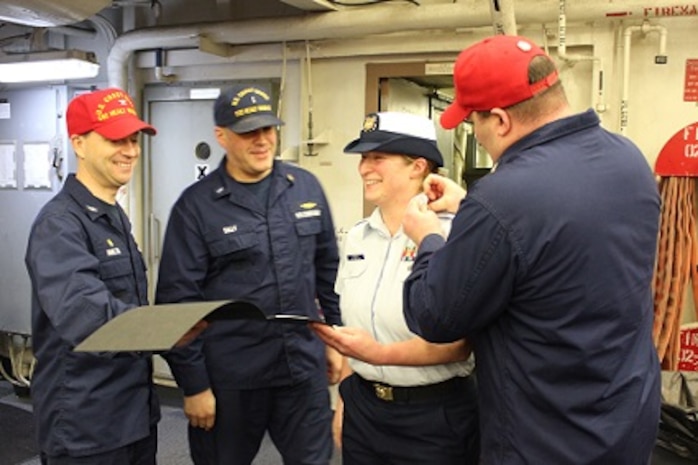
(49, 13)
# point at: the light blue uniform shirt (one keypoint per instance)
(373, 267)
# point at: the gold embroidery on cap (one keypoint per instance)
(124, 102)
(370, 123)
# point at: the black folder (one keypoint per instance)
(159, 327)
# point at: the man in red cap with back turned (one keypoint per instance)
(547, 270)
(85, 268)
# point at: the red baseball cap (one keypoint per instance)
(493, 73)
(109, 112)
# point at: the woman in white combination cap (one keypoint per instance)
(402, 399)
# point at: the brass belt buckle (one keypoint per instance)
(383, 392)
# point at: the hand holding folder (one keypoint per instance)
(159, 328)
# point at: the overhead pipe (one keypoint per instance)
(49, 13)
(104, 28)
(660, 59)
(74, 32)
(160, 73)
(357, 22)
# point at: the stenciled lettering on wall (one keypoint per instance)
(679, 156)
(200, 170)
(690, 86)
(677, 10)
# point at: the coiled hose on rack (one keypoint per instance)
(676, 265)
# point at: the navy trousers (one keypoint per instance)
(298, 419)
(142, 452)
(438, 431)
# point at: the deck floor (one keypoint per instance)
(172, 433)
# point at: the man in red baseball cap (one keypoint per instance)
(85, 268)
(547, 270)
(110, 112)
(104, 129)
(494, 74)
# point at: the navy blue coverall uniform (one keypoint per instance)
(222, 243)
(85, 269)
(547, 272)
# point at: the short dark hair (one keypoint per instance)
(541, 103)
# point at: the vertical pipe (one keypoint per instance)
(645, 28)
(562, 37)
(627, 34)
(562, 31)
(503, 17)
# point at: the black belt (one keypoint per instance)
(426, 392)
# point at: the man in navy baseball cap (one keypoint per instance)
(244, 108)
(256, 230)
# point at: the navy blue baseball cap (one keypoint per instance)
(244, 108)
(398, 133)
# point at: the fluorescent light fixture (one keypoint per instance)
(56, 65)
(207, 93)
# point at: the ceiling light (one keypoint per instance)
(57, 65)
